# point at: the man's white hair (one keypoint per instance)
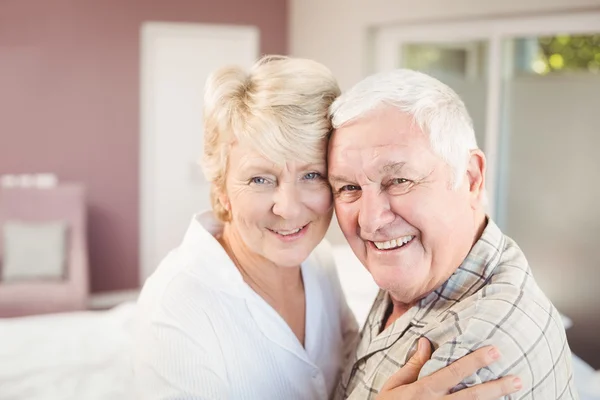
(436, 108)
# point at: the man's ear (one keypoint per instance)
(476, 169)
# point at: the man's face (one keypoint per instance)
(396, 205)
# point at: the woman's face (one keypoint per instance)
(280, 212)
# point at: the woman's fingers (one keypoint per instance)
(492, 390)
(448, 377)
(410, 371)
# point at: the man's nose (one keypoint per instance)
(375, 211)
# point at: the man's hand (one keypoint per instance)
(403, 385)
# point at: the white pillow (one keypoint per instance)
(34, 250)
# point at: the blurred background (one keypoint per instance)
(100, 135)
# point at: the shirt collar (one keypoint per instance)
(208, 260)
(475, 270)
(470, 276)
(212, 265)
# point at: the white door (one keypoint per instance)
(176, 60)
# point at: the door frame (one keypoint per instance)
(150, 33)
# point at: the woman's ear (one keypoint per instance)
(224, 200)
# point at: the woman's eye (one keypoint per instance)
(312, 175)
(258, 180)
(399, 181)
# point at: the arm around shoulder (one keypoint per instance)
(531, 342)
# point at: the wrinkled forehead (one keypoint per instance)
(281, 151)
(380, 127)
(247, 158)
(376, 163)
(376, 150)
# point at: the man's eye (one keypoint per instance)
(399, 186)
(349, 188)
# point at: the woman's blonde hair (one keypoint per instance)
(280, 108)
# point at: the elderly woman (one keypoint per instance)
(249, 306)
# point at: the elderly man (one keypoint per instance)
(409, 189)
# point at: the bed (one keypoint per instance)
(83, 355)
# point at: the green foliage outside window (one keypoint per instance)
(568, 53)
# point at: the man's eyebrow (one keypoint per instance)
(338, 178)
(394, 167)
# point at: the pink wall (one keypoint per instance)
(69, 101)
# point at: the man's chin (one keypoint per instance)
(398, 283)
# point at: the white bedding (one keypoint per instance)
(78, 356)
(87, 355)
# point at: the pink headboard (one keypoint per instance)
(66, 203)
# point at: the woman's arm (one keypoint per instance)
(403, 385)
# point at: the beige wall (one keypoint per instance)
(552, 196)
(335, 32)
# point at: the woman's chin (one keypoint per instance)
(289, 258)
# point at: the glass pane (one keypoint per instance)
(557, 54)
(462, 66)
(548, 201)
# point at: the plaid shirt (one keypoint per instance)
(492, 298)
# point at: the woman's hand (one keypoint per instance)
(403, 384)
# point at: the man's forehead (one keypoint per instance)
(383, 154)
(386, 161)
(376, 140)
(382, 159)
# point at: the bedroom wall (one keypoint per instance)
(69, 101)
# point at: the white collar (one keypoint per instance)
(209, 261)
(211, 264)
